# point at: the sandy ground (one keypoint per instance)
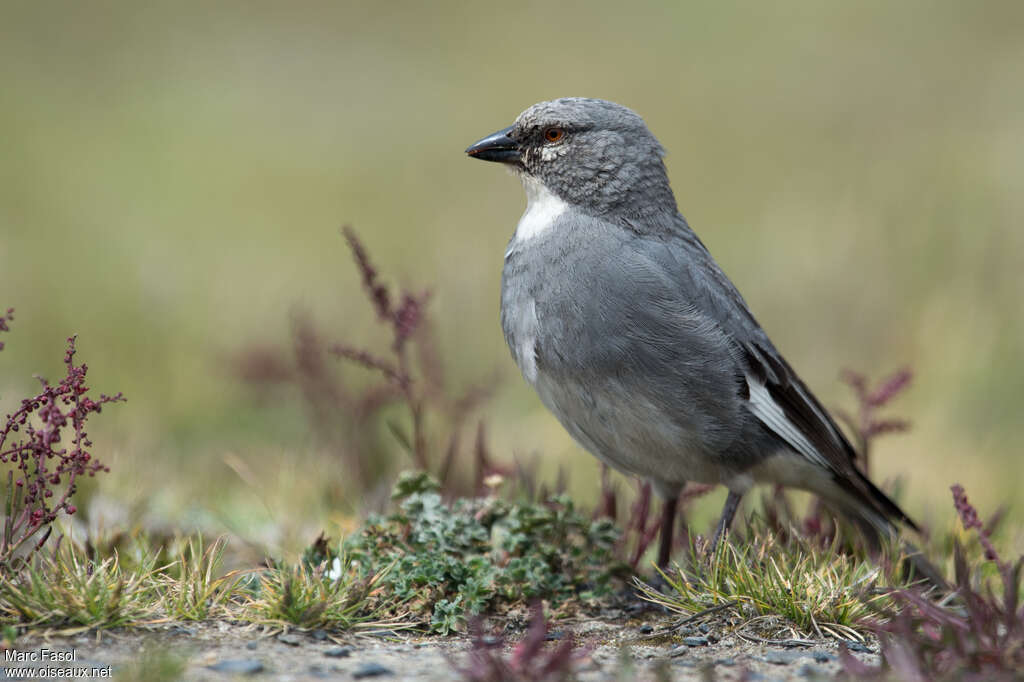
(219, 651)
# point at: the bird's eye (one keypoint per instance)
(554, 134)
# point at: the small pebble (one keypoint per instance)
(320, 635)
(338, 652)
(726, 661)
(554, 636)
(290, 639)
(705, 628)
(646, 629)
(857, 646)
(823, 656)
(695, 641)
(371, 670)
(678, 651)
(182, 630)
(237, 666)
(252, 645)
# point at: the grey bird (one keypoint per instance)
(636, 340)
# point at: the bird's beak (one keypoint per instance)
(497, 146)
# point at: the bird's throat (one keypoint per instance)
(543, 208)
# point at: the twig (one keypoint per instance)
(778, 642)
(706, 612)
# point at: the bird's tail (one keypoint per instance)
(883, 504)
(878, 518)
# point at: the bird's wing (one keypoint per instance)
(773, 392)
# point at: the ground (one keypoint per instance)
(612, 650)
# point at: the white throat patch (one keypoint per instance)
(542, 208)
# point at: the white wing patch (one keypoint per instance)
(768, 411)
(526, 346)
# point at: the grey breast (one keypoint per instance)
(636, 373)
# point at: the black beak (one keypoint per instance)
(497, 146)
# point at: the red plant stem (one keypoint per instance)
(638, 521)
(419, 439)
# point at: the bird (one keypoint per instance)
(636, 340)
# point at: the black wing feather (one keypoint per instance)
(721, 301)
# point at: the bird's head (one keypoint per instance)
(592, 153)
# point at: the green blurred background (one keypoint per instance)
(173, 175)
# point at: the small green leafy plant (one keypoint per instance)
(451, 561)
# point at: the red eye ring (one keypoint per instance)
(553, 134)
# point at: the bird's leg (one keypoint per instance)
(732, 503)
(668, 519)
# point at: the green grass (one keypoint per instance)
(813, 590)
(309, 598)
(68, 590)
(193, 587)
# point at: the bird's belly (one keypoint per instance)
(614, 412)
(628, 432)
